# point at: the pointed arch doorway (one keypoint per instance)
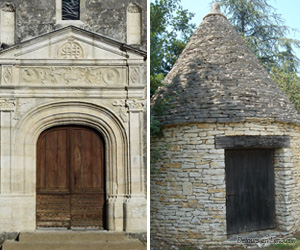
(70, 178)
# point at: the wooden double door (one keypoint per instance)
(250, 190)
(70, 178)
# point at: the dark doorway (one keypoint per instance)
(250, 190)
(70, 178)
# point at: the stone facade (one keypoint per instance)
(70, 75)
(188, 187)
(108, 18)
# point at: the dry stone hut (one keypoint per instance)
(233, 161)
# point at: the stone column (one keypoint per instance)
(134, 24)
(115, 213)
(8, 23)
(135, 206)
(6, 109)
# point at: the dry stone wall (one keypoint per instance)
(188, 186)
(217, 78)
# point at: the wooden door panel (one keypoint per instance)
(86, 161)
(53, 210)
(88, 210)
(62, 160)
(70, 178)
(76, 159)
(51, 162)
(52, 167)
(250, 191)
(97, 178)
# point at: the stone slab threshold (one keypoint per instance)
(74, 240)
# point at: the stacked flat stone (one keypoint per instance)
(219, 93)
(217, 78)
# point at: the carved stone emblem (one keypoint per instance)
(111, 76)
(71, 50)
(70, 75)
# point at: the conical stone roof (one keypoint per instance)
(217, 78)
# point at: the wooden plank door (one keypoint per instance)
(87, 200)
(53, 189)
(70, 178)
(250, 190)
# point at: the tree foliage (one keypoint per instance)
(265, 33)
(290, 84)
(170, 29)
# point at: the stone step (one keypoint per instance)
(72, 236)
(130, 245)
(73, 240)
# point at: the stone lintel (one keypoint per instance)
(232, 142)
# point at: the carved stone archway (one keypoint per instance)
(79, 113)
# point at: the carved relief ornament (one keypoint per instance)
(70, 75)
(7, 105)
(7, 74)
(135, 105)
(71, 50)
(134, 75)
(122, 114)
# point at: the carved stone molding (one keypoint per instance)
(119, 103)
(71, 75)
(7, 74)
(112, 198)
(135, 105)
(122, 114)
(111, 76)
(133, 8)
(71, 50)
(134, 77)
(7, 105)
(8, 7)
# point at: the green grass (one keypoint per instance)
(295, 245)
